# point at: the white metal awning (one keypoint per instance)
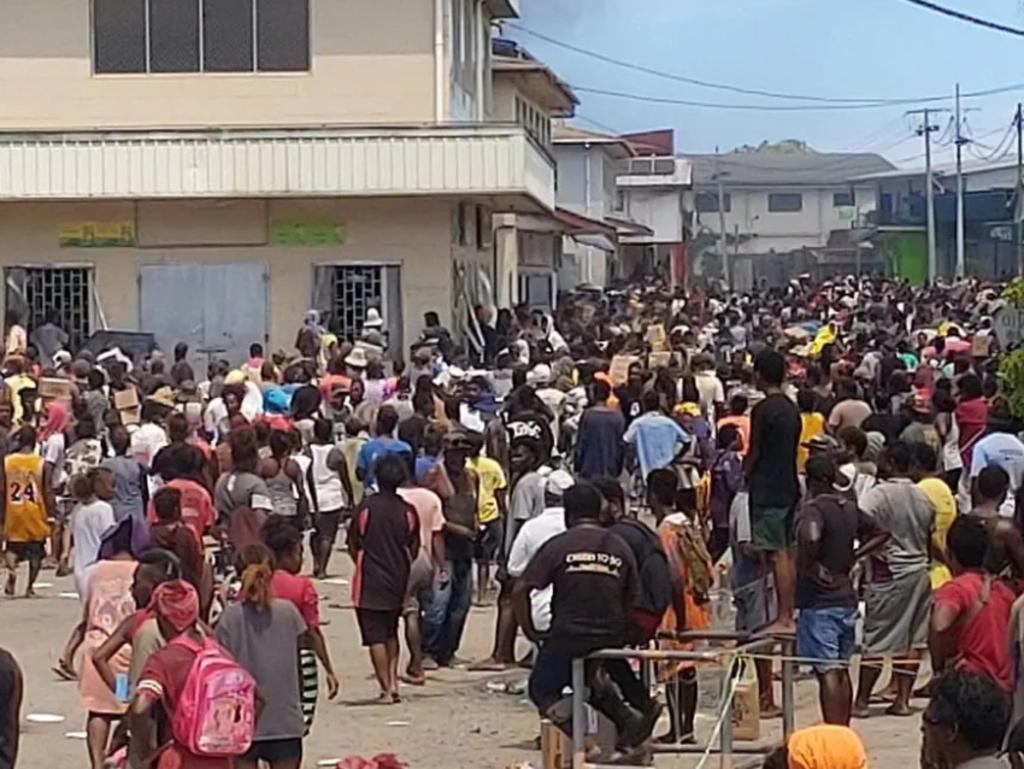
(499, 162)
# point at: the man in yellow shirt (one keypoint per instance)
(492, 507)
(812, 424)
(923, 467)
(26, 500)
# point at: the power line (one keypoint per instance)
(853, 102)
(681, 78)
(598, 124)
(967, 17)
(769, 107)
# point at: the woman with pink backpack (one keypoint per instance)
(192, 698)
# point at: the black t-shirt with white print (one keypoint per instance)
(596, 587)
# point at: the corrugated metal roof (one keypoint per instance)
(770, 167)
(563, 133)
(469, 160)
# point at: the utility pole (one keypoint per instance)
(960, 141)
(726, 272)
(926, 130)
(1019, 120)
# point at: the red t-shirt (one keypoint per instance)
(197, 510)
(981, 644)
(330, 381)
(300, 592)
(163, 677)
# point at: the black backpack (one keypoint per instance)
(656, 584)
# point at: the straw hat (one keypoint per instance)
(357, 358)
(164, 396)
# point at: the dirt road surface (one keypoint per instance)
(454, 722)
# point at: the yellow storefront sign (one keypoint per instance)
(98, 234)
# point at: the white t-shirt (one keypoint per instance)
(711, 392)
(533, 535)
(951, 457)
(1005, 451)
(89, 522)
(147, 440)
(53, 453)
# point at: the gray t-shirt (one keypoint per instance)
(235, 490)
(901, 508)
(128, 479)
(527, 503)
(266, 643)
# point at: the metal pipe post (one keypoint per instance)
(788, 693)
(579, 715)
(725, 734)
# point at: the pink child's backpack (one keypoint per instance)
(216, 715)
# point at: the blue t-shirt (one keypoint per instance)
(373, 450)
(424, 462)
(657, 439)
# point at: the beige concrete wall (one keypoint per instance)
(372, 63)
(412, 233)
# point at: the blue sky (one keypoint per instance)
(841, 48)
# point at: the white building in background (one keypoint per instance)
(777, 201)
(588, 168)
(652, 194)
(528, 247)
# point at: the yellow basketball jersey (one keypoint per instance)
(26, 503)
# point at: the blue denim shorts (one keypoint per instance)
(827, 636)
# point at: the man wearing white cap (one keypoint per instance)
(533, 535)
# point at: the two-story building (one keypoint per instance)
(779, 205)
(210, 170)
(652, 194)
(898, 229)
(528, 247)
(588, 167)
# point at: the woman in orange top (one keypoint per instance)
(675, 513)
(739, 418)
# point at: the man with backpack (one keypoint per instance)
(194, 682)
(660, 589)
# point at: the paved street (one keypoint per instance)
(455, 721)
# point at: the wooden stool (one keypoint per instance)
(555, 750)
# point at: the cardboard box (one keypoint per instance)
(980, 346)
(127, 404)
(656, 337)
(54, 388)
(746, 707)
(619, 370)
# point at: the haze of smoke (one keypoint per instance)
(560, 12)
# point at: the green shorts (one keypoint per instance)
(770, 528)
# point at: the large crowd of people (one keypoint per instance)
(815, 451)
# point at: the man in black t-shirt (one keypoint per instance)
(770, 467)
(384, 540)
(828, 528)
(596, 585)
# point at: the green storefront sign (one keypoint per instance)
(291, 233)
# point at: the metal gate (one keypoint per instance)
(343, 293)
(218, 309)
(354, 290)
(60, 294)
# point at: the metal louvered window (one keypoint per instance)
(60, 294)
(356, 289)
(344, 292)
(183, 36)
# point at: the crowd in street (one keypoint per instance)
(835, 454)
